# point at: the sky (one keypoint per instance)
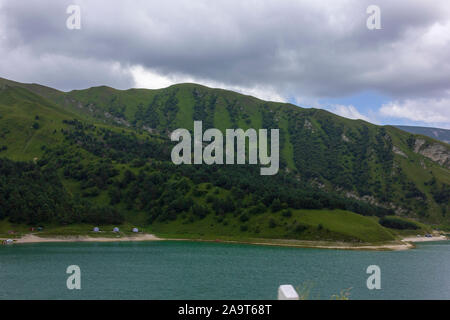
(314, 53)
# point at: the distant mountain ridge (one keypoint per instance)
(435, 133)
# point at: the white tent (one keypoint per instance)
(96, 229)
(116, 229)
(135, 230)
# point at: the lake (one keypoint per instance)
(201, 270)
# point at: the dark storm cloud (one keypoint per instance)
(304, 48)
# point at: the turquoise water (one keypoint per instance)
(198, 270)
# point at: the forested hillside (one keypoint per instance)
(106, 152)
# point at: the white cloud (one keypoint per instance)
(319, 49)
(151, 79)
(431, 111)
(349, 112)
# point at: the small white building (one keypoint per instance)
(116, 229)
(135, 230)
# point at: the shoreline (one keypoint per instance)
(403, 244)
(32, 238)
(425, 239)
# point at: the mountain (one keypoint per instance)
(435, 133)
(102, 156)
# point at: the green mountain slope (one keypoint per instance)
(116, 156)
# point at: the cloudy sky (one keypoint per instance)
(312, 53)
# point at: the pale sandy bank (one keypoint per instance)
(31, 238)
(403, 244)
(425, 239)
(343, 246)
(395, 246)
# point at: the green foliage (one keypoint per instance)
(286, 213)
(410, 141)
(200, 210)
(272, 223)
(276, 205)
(441, 194)
(397, 223)
(31, 194)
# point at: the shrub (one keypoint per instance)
(300, 228)
(200, 210)
(276, 205)
(286, 213)
(397, 223)
(243, 217)
(244, 227)
(272, 223)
